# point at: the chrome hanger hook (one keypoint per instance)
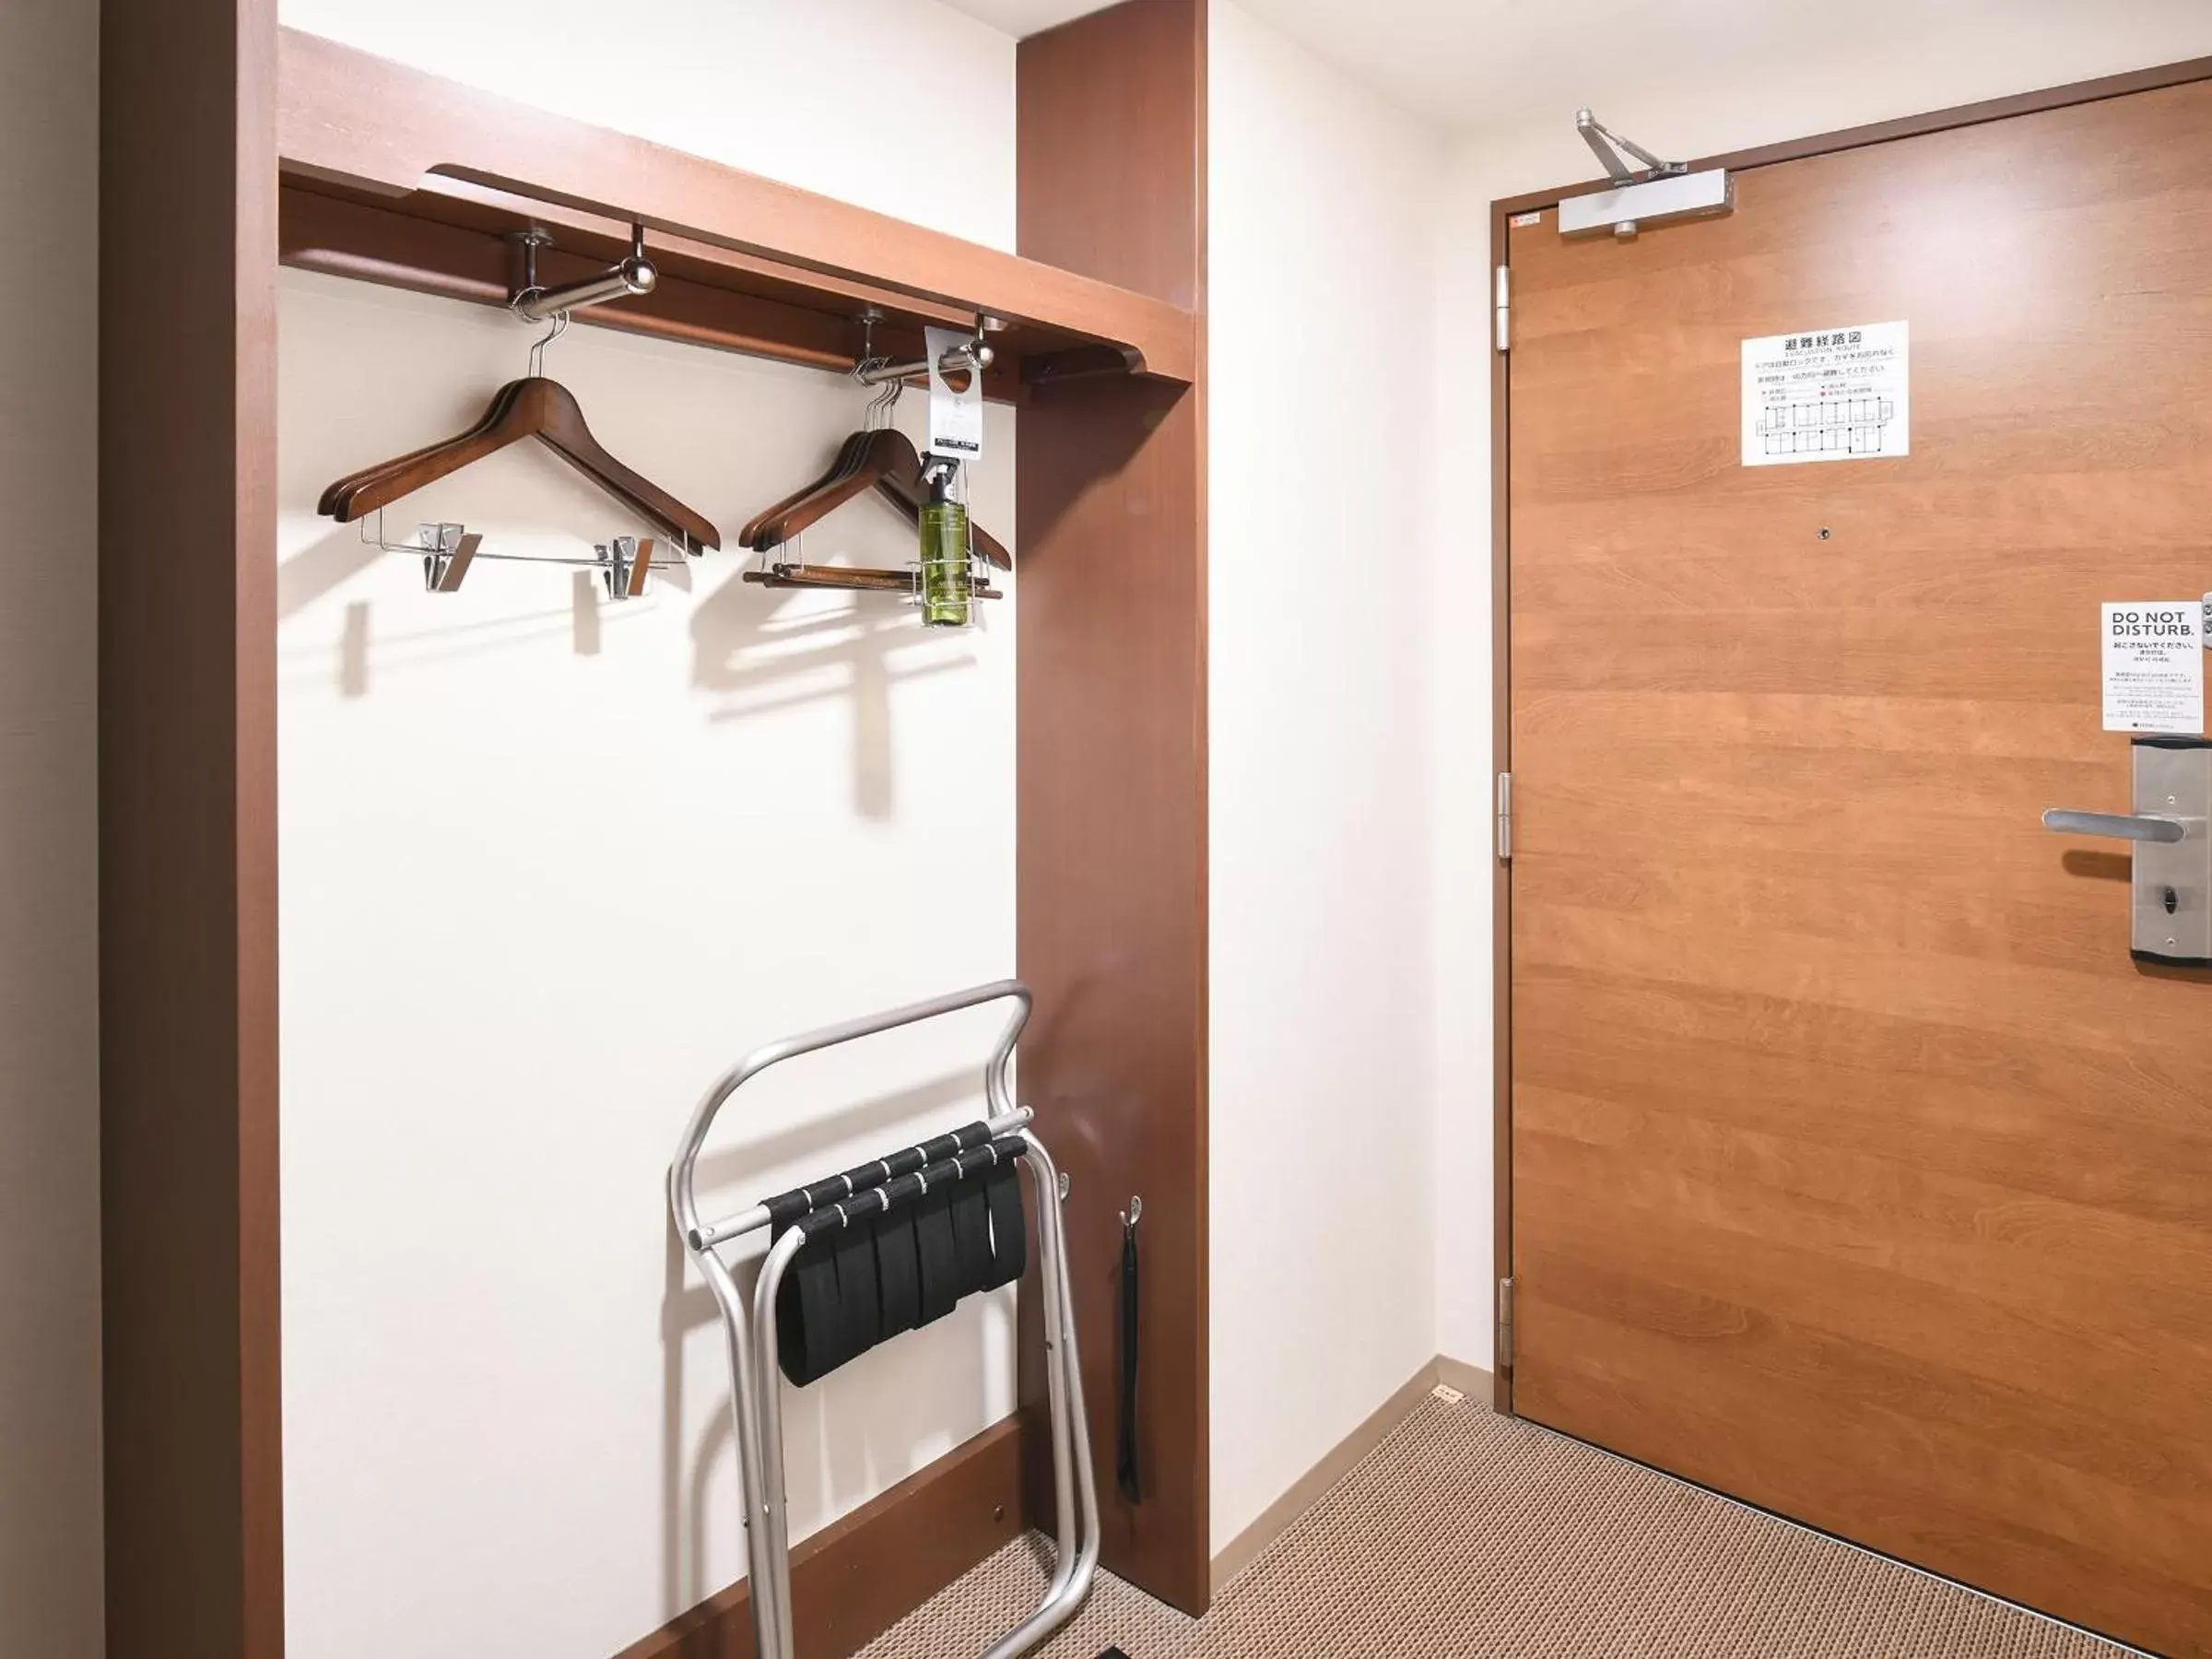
(883, 411)
(538, 347)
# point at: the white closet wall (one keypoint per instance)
(1322, 260)
(1803, 74)
(835, 96)
(551, 862)
(49, 1428)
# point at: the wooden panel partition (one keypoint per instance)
(1112, 164)
(188, 830)
(1113, 805)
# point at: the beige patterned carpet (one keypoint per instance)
(1468, 1536)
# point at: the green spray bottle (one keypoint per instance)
(947, 596)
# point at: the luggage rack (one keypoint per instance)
(887, 1190)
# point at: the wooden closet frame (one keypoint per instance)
(228, 144)
(1501, 715)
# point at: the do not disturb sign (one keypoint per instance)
(2154, 667)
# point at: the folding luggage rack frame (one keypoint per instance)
(753, 1339)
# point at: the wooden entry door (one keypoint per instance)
(1856, 1169)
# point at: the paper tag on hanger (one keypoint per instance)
(955, 401)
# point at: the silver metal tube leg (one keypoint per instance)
(1086, 1481)
(1051, 1243)
(744, 1421)
(1086, 1484)
(1058, 1609)
(768, 1381)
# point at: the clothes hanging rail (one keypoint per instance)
(630, 276)
(753, 1340)
(973, 359)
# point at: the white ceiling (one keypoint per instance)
(1019, 18)
(1489, 66)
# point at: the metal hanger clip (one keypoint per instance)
(626, 564)
(448, 551)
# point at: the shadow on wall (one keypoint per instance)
(755, 656)
(325, 566)
(753, 651)
(868, 1446)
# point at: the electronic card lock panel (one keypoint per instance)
(2169, 833)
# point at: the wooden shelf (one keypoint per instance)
(392, 175)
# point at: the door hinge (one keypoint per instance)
(1505, 1324)
(1505, 818)
(1505, 309)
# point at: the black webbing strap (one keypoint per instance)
(829, 1309)
(859, 1304)
(899, 1272)
(897, 1254)
(972, 1235)
(1009, 1235)
(934, 1249)
(809, 1315)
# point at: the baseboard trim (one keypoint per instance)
(1470, 1380)
(856, 1578)
(859, 1576)
(1240, 1551)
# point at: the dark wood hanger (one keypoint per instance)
(531, 407)
(847, 457)
(334, 500)
(884, 460)
(864, 461)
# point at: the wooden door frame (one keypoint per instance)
(1502, 210)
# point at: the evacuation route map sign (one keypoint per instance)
(1828, 394)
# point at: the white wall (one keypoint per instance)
(551, 862)
(1322, 252)
(1790, 81)
(830, 95)
(50, 1507)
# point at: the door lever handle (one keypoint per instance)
(2123, 826)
